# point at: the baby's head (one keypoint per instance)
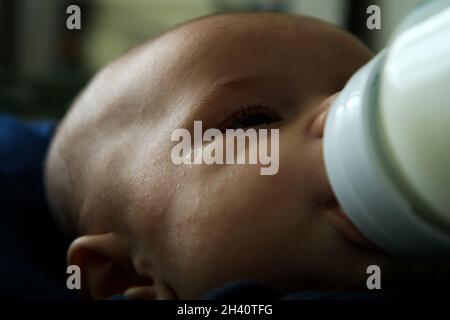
(152, 229)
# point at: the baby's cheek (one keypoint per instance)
(228, 220)
(205, 214)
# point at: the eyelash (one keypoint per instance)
(247, 111)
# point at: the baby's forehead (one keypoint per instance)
(233, 42)
(218, 39)
(217, 48)
(157, 76)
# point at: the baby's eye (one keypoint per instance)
(251, 117)
(251, 121)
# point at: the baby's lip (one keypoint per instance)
(347, 227)
(330, 202)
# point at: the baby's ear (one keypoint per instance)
(107, 269)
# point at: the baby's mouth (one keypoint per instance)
(350, 231)
(331, 204)
(334, 206)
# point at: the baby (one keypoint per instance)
(148, 228)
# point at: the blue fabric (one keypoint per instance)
(242, 291)
(254, 291)
(32, 251)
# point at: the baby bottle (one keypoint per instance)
(387, 140)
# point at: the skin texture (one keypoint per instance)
(151, 229)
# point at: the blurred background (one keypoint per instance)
(43, 65)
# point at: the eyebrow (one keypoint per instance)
(218, 90)
(239, 82)
(233, 84)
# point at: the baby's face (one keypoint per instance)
(197, 227)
